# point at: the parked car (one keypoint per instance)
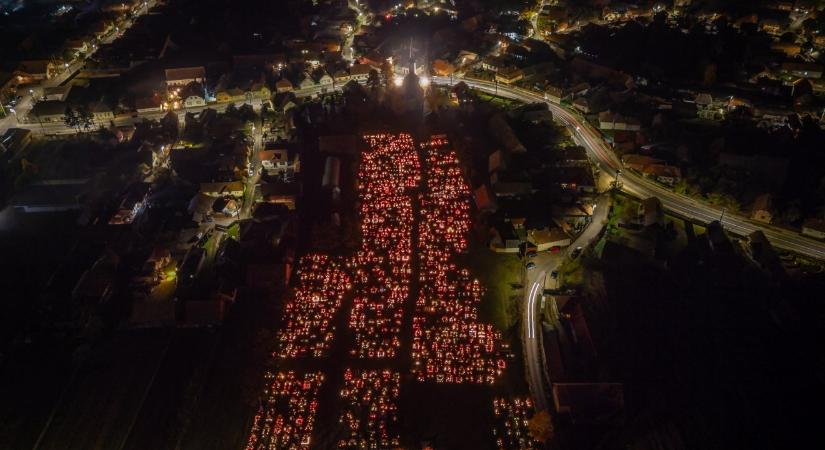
(575, 254)
(555, 249)
(530, 265)
(554, 274)
(532, 254)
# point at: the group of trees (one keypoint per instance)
(80, 118)
(245, 113)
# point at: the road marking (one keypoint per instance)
(531, 307)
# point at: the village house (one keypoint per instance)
(185, 75)
(341, 77)
(504, 238)
(192, 95)
(663, 173)
(814, 228)
(35, 70)
(763, 209)
(509, 75)
(494, 63)
(613, 121)
(582, 105)
(554, 94)
(546, 238)
(638, 162)
(306, 83)
(101, 112)
(279, 160)
(57, 92)
(147, 105)
(230, 95)
(283, 85)
(359, 72)
(220, 189)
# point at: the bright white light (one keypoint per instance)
(531, 305)
(398, 81)
(424, 81)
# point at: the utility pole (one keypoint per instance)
(722, 216)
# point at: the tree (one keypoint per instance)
(436, 99)
(386, 72)
(788, 37)
(231, 110)
(792, 212)
(71, 119)
(373, 80)
(247, 113)
(68, 55)
(85, 118)
(541, 427)
(709, 74)
(266, 111)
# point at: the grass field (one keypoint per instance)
(498, 273)
(498, 101)
(571, 273)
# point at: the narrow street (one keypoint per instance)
(255, 167)
(537, 375)
(17, 116)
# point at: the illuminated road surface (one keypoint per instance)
(643, 188)
(531, 333)
(632, 184)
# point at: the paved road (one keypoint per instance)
(57, 128)
(642, 187)
(537, 375)
(534, 21)
(21, 110)
(347, 50)
(252, 181)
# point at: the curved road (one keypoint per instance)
(641, 187)
(633, 184)
(531, 334)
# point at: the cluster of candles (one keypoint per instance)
(449, 344)
(308, 329)
(287, 410)
(388, 175)
(369, 412)
(511, 420)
